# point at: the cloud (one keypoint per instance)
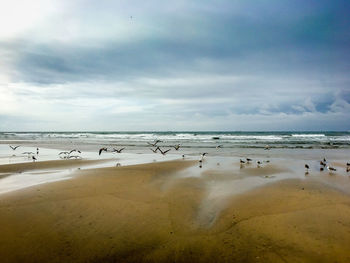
(199, 65)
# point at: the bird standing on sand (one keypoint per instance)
(104, 149)
(258, 163)
(14, 147)
(248, 160)
(331, 169)
(34, 159)
(241, 161)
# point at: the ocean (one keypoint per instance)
(289, 139)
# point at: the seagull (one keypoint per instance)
(155, 143)
(104, 149)
(267, 147)
(241, 161)
(155, 151)
(347, 164)
(258, 163)
(177, 147)
(203, 154)
(74, 150)
(118, 151)
(162, 151)
(307, 167)
(28, 153)
(324, 160)
(322, 163)
(34, 159)
(331, 169)
(219, 146)
(14, 147)
(248, 160)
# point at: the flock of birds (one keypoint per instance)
(324, 165)
(75, 154)
(31, 155)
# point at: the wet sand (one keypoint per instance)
(153, 213)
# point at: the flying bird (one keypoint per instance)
(177, 147)
(28, 153)
(164, 151)
(118, 151)
(155, 151)
(155, 143)
(104, 149)
(74, 150)
(14, 147)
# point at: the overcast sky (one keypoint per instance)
(180, 65)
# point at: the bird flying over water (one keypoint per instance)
(155, 143)
(162, 151)
(74, 150)
(104, 149)
(14, 147)
(155, 151)
(177, 147)
(118, 151)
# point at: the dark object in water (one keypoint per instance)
(216, 138)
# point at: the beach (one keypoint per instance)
(175, 211)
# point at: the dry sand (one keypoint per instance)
(125, 214)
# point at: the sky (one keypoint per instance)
(228, 65)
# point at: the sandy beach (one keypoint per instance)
(153, 213)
